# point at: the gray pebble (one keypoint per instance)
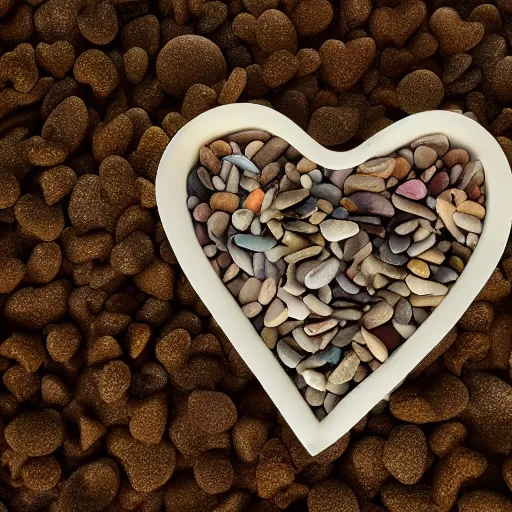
(388, 256)
(403, 311)
(399, 244)
(328, 192)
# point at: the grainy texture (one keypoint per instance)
(73, 76)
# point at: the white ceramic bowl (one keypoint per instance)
(182, 154)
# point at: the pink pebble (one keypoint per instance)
(202, 212)
(412, 189)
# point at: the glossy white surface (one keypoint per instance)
(182, 154)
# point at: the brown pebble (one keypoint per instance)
(35, 307)
(212, 411)
(344, 64)
(484, 500)
(496, 288)
(188, 60)
(173, 349)
(404, 498)
(198, 99)
(183, 494)
(279, 68)
(233, 87)
(332, 496)
(26, 349)
(95, 68)
(420, 90)
(405, 453)
(213, 472)
(10, 190)
(54, 391)
(98, 22)
(133, 254)
(148, 466)
(446, 436)
(148, 419)
(249, 435)
(35, 433)
(469, 347)
(135, 64)
(142, 32)
(331, 126)
(12, 272)
(312, 17)
(62, 341)
(112, 138)
(244, 27)
(224, 201)
(157, 279)
(57, 58)
(21, 383)
(275, 31)
(309, 61)
(41, 474)
(56, 183)
(113, 381)
(137, 338)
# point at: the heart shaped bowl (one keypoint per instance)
(180, 157)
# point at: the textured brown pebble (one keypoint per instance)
(469, 347)
(478, 317)
(451, 472)
(135, 64)
(188, 60)
(279, 68)
(249, 435)
(21, 383)
(364, 468)
(95, 68)
(442, 397)
(344, 64)
(496, 288)
(54, 392)
(56, 183)
(446, 436)
(405, 453)
(405, 498)
(312, 17)
(98, 22)
(275, 31)
(198, 99)
(420, 90)
(113, 380)
(57, 58)
(213, 472)
(112, 138)
(148, 419)
(224, 201)
(41, 474)
(332, 496)
(35, 433)
(38, 219)
(333, 125)
(62, 341)
(182, 494)
(133, 254)
(172, 350)
(26, 349)
(33, 308)
(233, 87)
(488, 413)
(484, 500)
(91, 487)
(157, 279)
(212, 411)
(148, 466)
(10, 190)
(12, 272)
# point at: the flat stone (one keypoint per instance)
(314, 397)
(288, 356)
(250, 291)
(420, 315)
(247, 136)
(317, 328)
(323, 274)
(316, 176)
(375, 345)
(240, 257)
(315, 379)
(388, 256)
(437, 141)
(252, 148)
(381, 167)
(276, 313)
(346, 369)
(446, 211)
(345, 336)
(472, 208)
(470, 170)
(407, 227)
(422, 246)
(286, 199)
(296, 307)
(267, 291)
(403, 311)
(252, 309)
(338, 389)
(327, 192)
(330, 402)
(241, 219)
(445, 275)
(364, 355)
(338, 177)
(373, 265)
(346, 284)
(354, 244)
(420, 286)
(378, 314)
(255, 243)
(299, 226)
(242, 162)
(269, 173)
(406, 205)
(419, 268)
(340, 213)
(217, 228)
(369, 203)
(467, 222)
(270, 152)
(309, 252)
(399, 244)
(310, 344)
(363, 182)
(317, 306)
(424, 157)
(348, 314)
(336, 230)
(412, 189)
(438, 183)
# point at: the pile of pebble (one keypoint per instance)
(335, 268)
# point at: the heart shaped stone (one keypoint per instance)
(344, 64)
(453, 34)
(396, 24)
(181, 156)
